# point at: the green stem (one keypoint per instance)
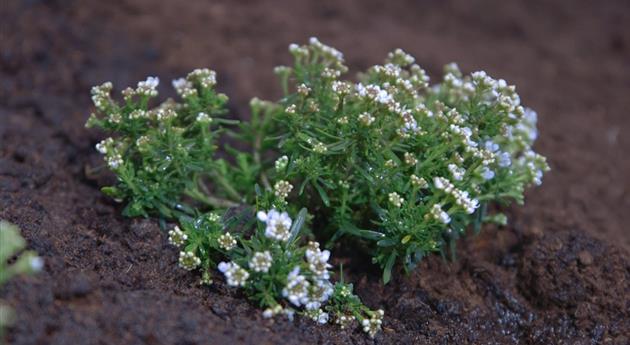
(210, 200)
(257, 160)
(229, 189)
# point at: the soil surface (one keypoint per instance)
(558, 274)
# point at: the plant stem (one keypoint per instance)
(257, 160)
(229, 189)
(210, 200)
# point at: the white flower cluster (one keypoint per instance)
(188, 260)
(203, 117)
(457, 172)
(327, 55)
(148, 87)
(205, 77)
(462, 198)
(366, 118)
(395, 199)
(282, 189)
(227, 241)
(374, 93)
(165, 114)
(372, 325)
(327, 50)
(261, 261)
(318, 315)
(234, 274)
(400, 58)
(296, 290)
(177, 237)
(419, 182)
(113, 158)
(278, 224)
(184, 88)
(105, 145)
(281, 163)
(303, 89)
(410, 159)
(341, 88)
(318, 260)
(277, 309)
(344, 321)
(101, 95)
(302, 292)
(438, 214)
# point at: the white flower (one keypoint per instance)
(177, 237)
(148, 87)
(320, 148)
(184, 88)
(457, 172)
(227, 241)
(282, 189)
(321, 290)
(395, 199)
(419, 181)
(366, 119)
(261, 261)
(203, 117)
(322, 318)
(278, 224)
(318, 260)
(104, 145)
(504, 160)
(487, 174)
(188, 260)
(303, 89)
(114, 160)
(296, 290)
(439, 214)
(234, 274)
(410, 159)
(373, 325)
(204, 76)
(281, 163)
(443, 184)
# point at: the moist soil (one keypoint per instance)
(558, 274)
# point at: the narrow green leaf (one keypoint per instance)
(387, 271)
(297, 224)
(322, 194)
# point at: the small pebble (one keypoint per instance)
(585, 258)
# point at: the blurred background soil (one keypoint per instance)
(559, 273)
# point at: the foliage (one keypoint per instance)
(14, 260)
(395, 164)
(398, 162)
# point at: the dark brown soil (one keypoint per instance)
(559, 274)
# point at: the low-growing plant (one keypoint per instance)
(162, 157)
(395, 164)
(14, 260)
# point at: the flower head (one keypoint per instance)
(227, 241)
(278, 224)
(234, 274)
(261, 261)
(188, 260)
(177, 237)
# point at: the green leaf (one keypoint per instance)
(387, 242)
(387, 271)
(322, 194)
(297, 224)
